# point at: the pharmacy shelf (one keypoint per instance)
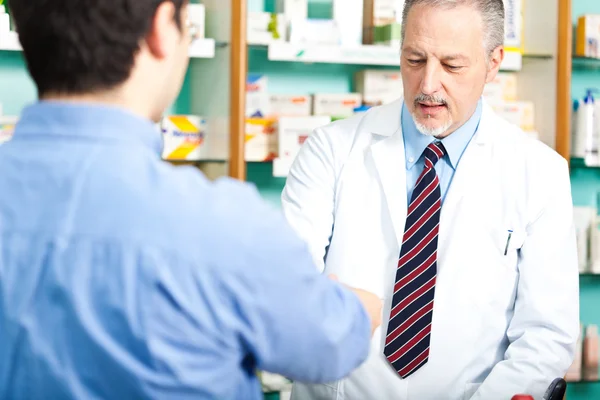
(581, 163)
(203, 48)
(10, 43)
(586, 63)
(359, 55)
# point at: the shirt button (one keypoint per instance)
(411, 159)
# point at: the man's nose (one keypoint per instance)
(431, 82)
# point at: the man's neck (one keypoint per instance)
(106, 98)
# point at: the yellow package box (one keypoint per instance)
(520, 113)
(588, 36)
(502, 89)
(184, 137)
(7, 128)
(261, 139)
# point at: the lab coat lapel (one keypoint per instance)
(469, 178)
(389, 159)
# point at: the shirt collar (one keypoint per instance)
(455, 144)
(101, 122)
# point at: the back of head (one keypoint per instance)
(109, 49)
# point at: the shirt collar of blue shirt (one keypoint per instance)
(455, 144)
(101, 122)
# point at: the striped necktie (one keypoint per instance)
(409, 329)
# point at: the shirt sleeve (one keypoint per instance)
(291, 319)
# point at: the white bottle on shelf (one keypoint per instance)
(586, 128)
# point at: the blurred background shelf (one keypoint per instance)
(358, 55)
(202, 48)
(586, 63)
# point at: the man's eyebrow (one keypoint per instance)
(452, 57)
(413, 52)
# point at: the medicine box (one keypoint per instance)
(315, 31)
(520, 113)
(293, 131)
(502, 89)
(349, 17)
(513, 24)
(388, 35)
(379, 87)
(197, 15)
(261, 139)
(290, 105)
(184, 137)
(336, 105)
(293, 9)
(257, 98)
(588, 36)
(7, 128)
(266, 28)
(378, 13)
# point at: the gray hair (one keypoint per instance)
(492, 15)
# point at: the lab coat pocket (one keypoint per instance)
(507, 243)
(494, 270)
(470, 390)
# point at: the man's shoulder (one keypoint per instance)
(175, 207)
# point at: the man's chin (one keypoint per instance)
(431, 128)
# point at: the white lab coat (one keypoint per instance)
(502, 324)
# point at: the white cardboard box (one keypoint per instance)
(292, 132)
(197, 15)
(378, 86)
(293, 9)
(513, 23)
(184, 137)
(520, 113)
(349, 17)
(257, 96)
(266, 28)
(336, 105)
(583, 218)
(289, 105)
(315, 31)
(261, 139)
(7, 128)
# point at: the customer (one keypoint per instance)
(122, 277)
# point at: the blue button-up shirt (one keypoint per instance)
(455, 144)
(123, 277)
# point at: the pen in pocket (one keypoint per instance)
(507, 242)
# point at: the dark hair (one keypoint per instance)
(82, 46)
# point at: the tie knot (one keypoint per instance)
(434, 152)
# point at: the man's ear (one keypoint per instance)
(494, 63)
(163, 33)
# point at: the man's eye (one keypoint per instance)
(453, 68)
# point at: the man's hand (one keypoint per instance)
(370, 302)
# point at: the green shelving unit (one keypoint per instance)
(585, 183)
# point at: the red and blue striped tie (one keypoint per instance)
(409, 329)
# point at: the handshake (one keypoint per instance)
(371, 303)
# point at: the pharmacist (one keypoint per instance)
(454, 217)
